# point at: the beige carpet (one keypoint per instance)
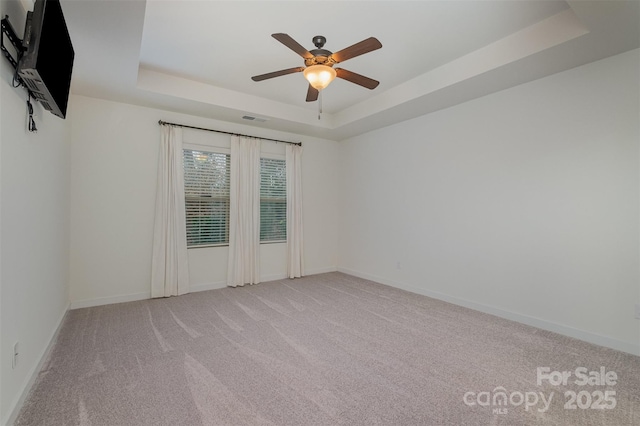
(328, 349)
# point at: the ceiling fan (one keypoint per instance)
(319, 62)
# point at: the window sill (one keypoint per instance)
(207, 246)
(227, 245)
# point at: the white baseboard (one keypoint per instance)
(88, 303)
(193, 288)
(276, 277)
(100, 301)
(321, 270)
(586, 336)
(272, 277)
(16, 405)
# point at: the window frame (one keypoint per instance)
(224, 150)
(210, 149)
(281, 157)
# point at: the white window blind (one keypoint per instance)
(273, 200)
(206, 194)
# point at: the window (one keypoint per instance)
(273, 200)
(206, 195)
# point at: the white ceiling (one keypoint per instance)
(197, 57)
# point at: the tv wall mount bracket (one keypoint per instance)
(16, 42)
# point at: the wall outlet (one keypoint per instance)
(637, 310)
(16, 352)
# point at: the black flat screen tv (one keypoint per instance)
(46, 64)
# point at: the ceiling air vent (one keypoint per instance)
(256, 119)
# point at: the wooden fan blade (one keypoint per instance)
(292, 44)
(361, 80)
(276, 74)
(365, 46)
(312, 94)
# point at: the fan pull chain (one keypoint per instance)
(319, 104)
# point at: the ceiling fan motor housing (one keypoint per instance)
(320, 57)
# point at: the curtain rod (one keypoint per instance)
(160, 122)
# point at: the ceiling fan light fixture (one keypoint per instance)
(319, 76)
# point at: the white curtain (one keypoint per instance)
(169, 264)
(244, 212)
(295, 253)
